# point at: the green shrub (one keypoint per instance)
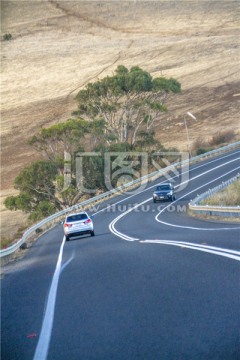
(7, 37)
(201, 151)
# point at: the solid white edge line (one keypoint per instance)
(182, 197)
(128, 238)
(45, 334)
(234, 257)
(193, 244)
(150, 187)
(46, 330)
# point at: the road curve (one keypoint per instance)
(153, 283)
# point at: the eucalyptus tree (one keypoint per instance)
(115, 114)
(66, 136)
(130, 102)
(37, 190)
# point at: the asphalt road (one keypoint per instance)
(152, 284)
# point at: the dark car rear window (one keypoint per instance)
(163, 187)
(77, 217)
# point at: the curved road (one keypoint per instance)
(152, 284)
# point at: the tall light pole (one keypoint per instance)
(187, 132)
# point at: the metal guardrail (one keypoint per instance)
(51, 220)
(226, 211)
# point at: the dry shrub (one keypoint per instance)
(222, 137)
(229, 196)
(200, 142)
(201, 145)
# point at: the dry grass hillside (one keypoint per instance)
(59, 46)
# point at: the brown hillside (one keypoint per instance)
(59, 46)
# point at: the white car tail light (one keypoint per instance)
(67, 225)
(88, 221)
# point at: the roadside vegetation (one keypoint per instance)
(203, 145)
(116, 114)
(5, 241)
(229, 196)
(7, 37)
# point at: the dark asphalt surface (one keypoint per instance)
(123, 299)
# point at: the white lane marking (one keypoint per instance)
(46, 330)
(182, 197)
(68, 261)
(128, 238)
(212, 161)
(118, 233)
(235, 255)
(193, 244)
(151, 187)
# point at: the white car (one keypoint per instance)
(78, 224)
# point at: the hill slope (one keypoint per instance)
(59, 46)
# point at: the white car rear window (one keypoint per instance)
(77, 217)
